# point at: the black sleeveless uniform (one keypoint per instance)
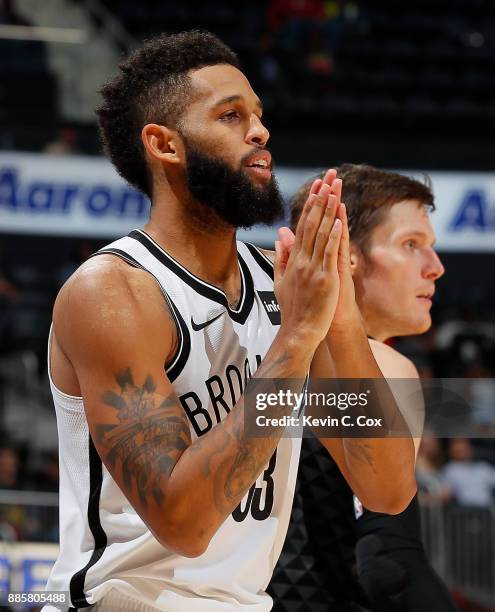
(375, 563)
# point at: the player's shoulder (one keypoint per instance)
(268, 254)
(392, 363)
(105, 275)
(108, 287)
(109, 308)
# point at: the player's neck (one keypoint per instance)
(376, 325)
(376, 332)
(210, 255)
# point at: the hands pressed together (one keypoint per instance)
(313, 278)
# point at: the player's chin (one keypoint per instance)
(422, 324)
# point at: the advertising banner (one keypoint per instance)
(24, 567)
(84, 196)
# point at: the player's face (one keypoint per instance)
(225, 120)
(395, 282)
(228, 167)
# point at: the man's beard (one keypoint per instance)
(230, 193)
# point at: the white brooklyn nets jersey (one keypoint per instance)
(106, 550)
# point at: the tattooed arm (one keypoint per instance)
(379, 470)
(112, 337)
(112, 328)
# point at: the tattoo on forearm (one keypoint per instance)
(247, 466)
(270, 370)
(149, 438)
(230, 483)
(253, 453)
(151, 435)
(360, 451)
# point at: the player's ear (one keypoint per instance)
(355, 257)
(161, 143)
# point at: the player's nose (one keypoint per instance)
(257, 134)
(434, 268)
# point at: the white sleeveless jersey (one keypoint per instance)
(104, 544)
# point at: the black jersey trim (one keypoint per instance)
(182, 354)
(77, 596)
(263, 262)
(119, 253)
(200, 286)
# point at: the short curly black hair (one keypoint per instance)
(153, 87)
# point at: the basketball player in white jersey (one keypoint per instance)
(395, 268)
(168, 501)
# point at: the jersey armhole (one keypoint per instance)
(179, 358)
(261, 259)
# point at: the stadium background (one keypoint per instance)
(409, 87)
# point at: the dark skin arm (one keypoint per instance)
(113, 329)
(136, 420)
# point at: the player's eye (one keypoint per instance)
(230, 116)
(410, 244)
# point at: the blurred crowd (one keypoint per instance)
(24, 68)
(455, 471)
(424, 62)
(320, 54)
(28, 286)
(23, 470)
